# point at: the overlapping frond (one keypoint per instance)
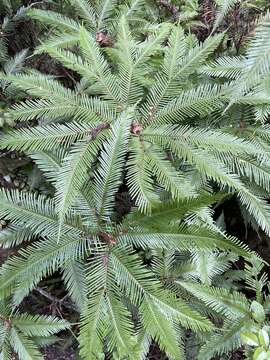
(74, 173)
(107, 177)
(221, 300)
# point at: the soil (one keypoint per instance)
(55, 352)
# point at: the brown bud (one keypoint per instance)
(103, 39)
(136, 128)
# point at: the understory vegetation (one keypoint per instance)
(134, 179)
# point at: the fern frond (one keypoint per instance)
(131, 277)
(160, 329)
(184, 239)
(107, 177)
(85, 9)
(257, 63)
(199, 101)
(95, 314)
(15, 235)
(24, 347)
(120, 327)
(167, 176)
(54, 19)
(104, 10)
(221, 300)
(41, 259)
(224, 67)
(74, 278)
(139, 177)
(224, 342)
(39, 325)
(73, 174)
(131, 91)
(35, 212)
(107, 83)
(46, 137)
(224, 6)
(15, 64)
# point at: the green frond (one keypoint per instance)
(129, 83)
(152, 45)
(161, 329)
(208, 165)
(62, 40)
(204, 138)
(92, 326)
(257, 64)
(179, 311)
(224, 6)
(6, 351)
(3, 51)
(197, 56)
(231, 305)
(95, 313)
(14, 235)
(208, 265)
(54, 19)
(184, 239)
(107, 83)
(130, 275)
(86, 11)
(120, 327)
(199, 101)
(38, 325)
(47, 137)
(23, 346)
(227, 340)
(40, 259)
(107, 177)
(104, 10)
(49, 163)
(140, 181)
(73, 274)
(174, 52)
(73, 174)
(169, 212)
(224, 67)
(15, 64)
(32, 211)
(167, 176)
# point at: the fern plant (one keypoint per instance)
(148, 127)
(135, 118)
(123, 302)
(244, 317)
(22, 333)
